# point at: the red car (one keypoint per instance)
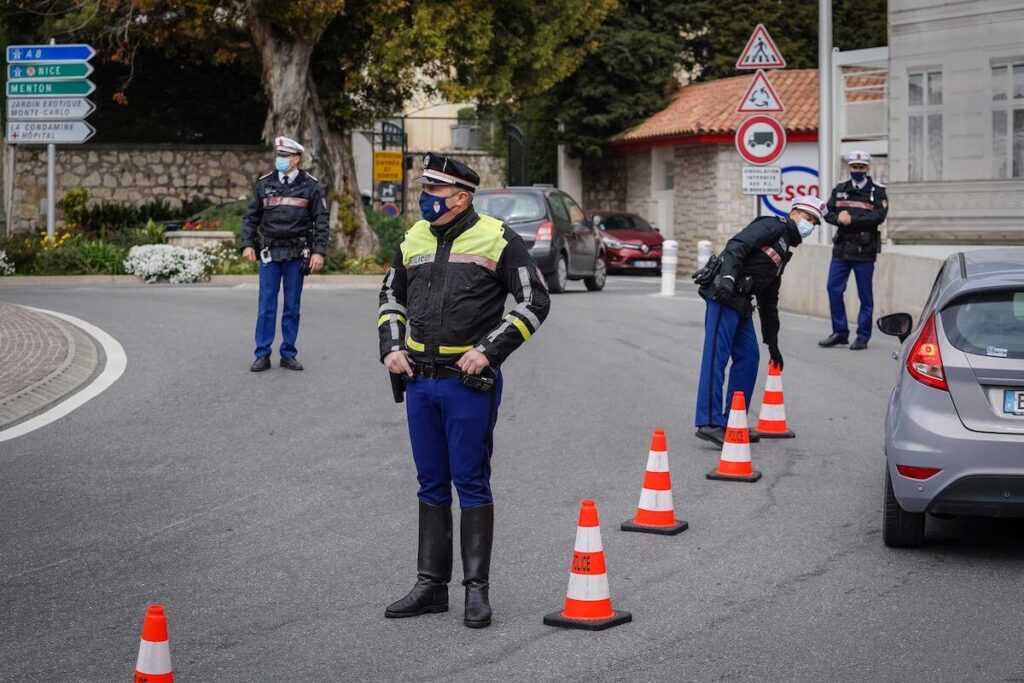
(630, 242)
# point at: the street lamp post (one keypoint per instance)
(824, 104)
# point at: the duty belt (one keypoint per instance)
(435, 370)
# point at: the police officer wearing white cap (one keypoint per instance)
(287, 229)
(749, 267)
(857, 206)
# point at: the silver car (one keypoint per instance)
(954, 431)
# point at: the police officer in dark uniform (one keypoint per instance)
(443, 326)
(857, 206)
(287, 229)
(749, 267)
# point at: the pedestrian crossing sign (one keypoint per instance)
(760, 52)
(760, 96)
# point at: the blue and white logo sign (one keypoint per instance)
(796, 181)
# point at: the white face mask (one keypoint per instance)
(805, 227)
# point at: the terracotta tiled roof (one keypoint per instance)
(710, 108)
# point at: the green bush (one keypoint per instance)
(151, 234)
(76, 255)
(390, 231)
(21, 251)
(229, 214)
(73, 207)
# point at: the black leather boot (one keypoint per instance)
(477, 537)
(433, 566)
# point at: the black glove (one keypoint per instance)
(724, 288)
(775, 355)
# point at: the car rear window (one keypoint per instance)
(510, 206)
(615, 222)
(987, 323)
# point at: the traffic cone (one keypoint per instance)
(655, 514)
(771, 423)
(154, 663)
(588, 603)
(734, 464)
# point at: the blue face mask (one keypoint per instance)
(282, 164)
(432, 207)
(858, 176)
(805, 227)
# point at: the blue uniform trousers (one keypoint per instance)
(726, 335)
(271, 275)
(452, 431)
(838, 276)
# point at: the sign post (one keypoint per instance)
(46, 90)
(760, 139)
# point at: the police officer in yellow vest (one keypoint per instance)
(443, 326)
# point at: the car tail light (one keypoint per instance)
(545, 231)
(917, 472)
(924, 361)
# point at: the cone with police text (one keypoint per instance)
(588, 603)
(771, 423)
(154, 662)
(735, 464)
(655, 514)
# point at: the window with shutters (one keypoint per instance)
(1008, 119)
(925, 125)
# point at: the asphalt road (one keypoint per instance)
(273, 514)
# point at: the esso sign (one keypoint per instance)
(796, 181)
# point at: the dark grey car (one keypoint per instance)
(954, 431)
(561, 238)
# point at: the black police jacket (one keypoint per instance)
(446, 289)
(755, 258)
(860, 240)
(282, 217)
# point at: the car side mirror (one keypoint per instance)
(896, 324)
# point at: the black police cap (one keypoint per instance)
(442, 170)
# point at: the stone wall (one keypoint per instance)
(132, 174)
(604, 184)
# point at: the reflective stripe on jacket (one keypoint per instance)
(446, 289)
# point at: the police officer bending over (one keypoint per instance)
(750, 266)
(442, 325)
(287, 228)
(857, 206)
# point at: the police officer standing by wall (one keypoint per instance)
(857, 206)
(287, 229)
(442, 327)
(750, 266)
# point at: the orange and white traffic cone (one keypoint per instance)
(735, 464)
(154, 663)
(771, 423)
(588, 603)
(655, 514)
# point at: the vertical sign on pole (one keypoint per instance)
(46, 90)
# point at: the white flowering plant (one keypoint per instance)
(153, 262)
(6, 266)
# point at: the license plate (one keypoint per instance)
(645, 264)
(1013, 401)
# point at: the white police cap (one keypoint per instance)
(812, 205)
(287, 146)
(858, 158)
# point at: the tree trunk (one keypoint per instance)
(294, 110)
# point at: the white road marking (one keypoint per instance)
(117, 361)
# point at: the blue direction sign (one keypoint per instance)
(21, 54)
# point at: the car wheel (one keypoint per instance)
(595, 283)
(900, 529)
(559, 280)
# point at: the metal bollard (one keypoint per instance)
(703, 253)
(669, 263)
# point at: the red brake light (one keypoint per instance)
(924, 362)
(917, 472)
(545, 231)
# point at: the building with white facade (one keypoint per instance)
(956, 121)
